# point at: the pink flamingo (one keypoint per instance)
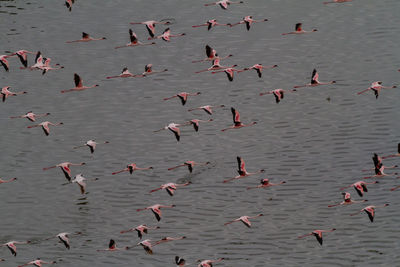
(180, 261)
(337, 1)
(149, 244)
(92, 145)
(211, 55)
(173, 127)
(80, 181)
(248, 20)
(45, 126)
(38, 262)
(245, 220)
(259, 68)
(66, 168)
(360, 187)
(318, 234)
(347, 200)
(207, 108)
(156, 209)
(64, 238)
(68, 4)
(265, 183)
(236, 121)
(299, 30)
(242, 171)
(133, 41)
(216, 66)
(379, 171)
(86, 38)
(5, 92)
(78, 85)
(4, 61)
(394, 155)
(183, 96)
(46, 66)
(7, 181)
(195, 123)
(11, 245)
(125, 74)
(141, 230)
(112, 246)
(150, 25)
(370, 210)
(131, 168)
(170, 188)
(229, 72)
(166, 35)
(211, 23)
(31, 116)
(208, 263)
(148, 70)
(376, 87)
(190, 164)
(169, 239)
(38, 62)
(23, 57)
(224, 3)
(314, 81)
(278, 93)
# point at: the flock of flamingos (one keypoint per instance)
(43, 64)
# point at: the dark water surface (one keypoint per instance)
(317, 146)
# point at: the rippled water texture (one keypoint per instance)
(317, 139)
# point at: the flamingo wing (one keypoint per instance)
(209, 51)
(157, 213)
(150, 28)
(298, 27)
(77, 80)
(236, 116)
(132, 36)
(314, 77)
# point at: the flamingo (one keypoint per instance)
(278, 93)
(80, 181)
(347, 200)
(207, 108)
(236, 121)
(156, 209)
(23, 57)
(180, 261)
(173, 127)
(211, 55)
(7, 181)
(248, 20)
(370, 210)
(224, 3)
(318, 234)
(211, 23)
(68, 4)
(141, 230)
(360, 187)
(259, 68)
(337, 1)
(64, 238)
(133, 41)
(66, 168)
(151, 24)
(148, 70)
(5, 92)
(86, 38)
(242, 171)
(4, 61)
(170, 188)
(208, 263)
(265, 183)
(394, 155)
(216, 66)
(229, 72)
(92, 145)
(112, 246)
(78, 85)
(245, 220)
(46, 66)
(168, 239)
(125, 74)
(299, 30)
(31, 116)
(376, 87)
(11, 245)
(190, 164)
(131, 168)
(183, 96)
(149, 244)
(314, 81)
(379, 171)
(195, 123)
(38, 62)
(166, 35)
(38, 262)
(45, 126)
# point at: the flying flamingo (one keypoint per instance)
(299, 30)
(149, 244)
(347, 200)
(173, 127)
(378, 164)
(216, 66)
(31, 116)
(314, 81)
(259, 68)
(7, 181)
(38, 62)
(4, 61)
(166, 35)
(170, 188)
(318, 234)
(211, 55)
(207, 108)
(229, 72)
(208, 263)
(66, 168)
(150, 25)
(23, 57)
(370, 210)
(195, 123)
(236, 121)
(183, 96)
(394, 155)
(45, 126)
(92, 145)
(337, 1)
(224, 3)
(113, 247)
(125, 74)
(68, 4)
(141, 230)
(379, 171)
(265, 183)
(148, 70)
(86, 38)
(190, 164)
(5, 92)
(80, 181)
(360, 187)
(38, 262)
(211, 23)
(131, 168)
(169, 239)
(11, 246)
(156, 209)
(376, 87)
(242, 171)
(78, 85)
(248, 20)
(245, 220)
(46, 66)
(133, 41)
(278, 93)
(180, 261)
